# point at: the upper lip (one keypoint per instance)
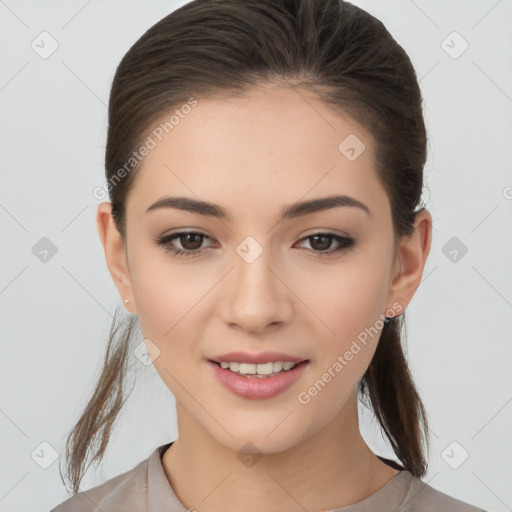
(262, 357)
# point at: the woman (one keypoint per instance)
(265, 167)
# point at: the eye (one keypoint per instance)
(322, 242)
(189, 240)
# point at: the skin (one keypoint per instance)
(253, 155)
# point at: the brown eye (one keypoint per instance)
(191, 241)
(321, 242)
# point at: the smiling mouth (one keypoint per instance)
(259, 370)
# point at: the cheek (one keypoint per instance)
(349, 300)
(168, 298)
(173, 305)
(346, 298)
(166, 293)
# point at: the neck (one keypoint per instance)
(331, 469)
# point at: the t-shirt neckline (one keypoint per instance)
(388, 498)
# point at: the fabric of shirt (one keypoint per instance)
(145, 488)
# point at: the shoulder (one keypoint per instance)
(127, 491)
(421, 497)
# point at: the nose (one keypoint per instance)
(255, 297)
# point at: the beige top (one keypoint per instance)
(145, 488)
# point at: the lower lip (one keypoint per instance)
(256, 388)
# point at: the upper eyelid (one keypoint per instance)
(319, 231)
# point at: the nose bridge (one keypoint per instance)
(256, 296)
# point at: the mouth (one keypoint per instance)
(259, 370)
(258, 380)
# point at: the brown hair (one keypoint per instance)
(216, 48)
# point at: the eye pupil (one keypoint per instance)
(323, 246)
(188, 236)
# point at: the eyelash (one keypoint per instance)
(164, 241)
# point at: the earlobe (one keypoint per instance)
(412, 256)
(115, 252)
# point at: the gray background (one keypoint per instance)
(56, 314)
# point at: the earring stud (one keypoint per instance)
(125, 301)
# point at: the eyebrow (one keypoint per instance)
(289, 212)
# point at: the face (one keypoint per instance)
(253, 285)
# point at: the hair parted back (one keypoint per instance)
(216, 48)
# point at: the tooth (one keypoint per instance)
(278, 366)
(265, 368)
(246, 368)
(234, 367)
(261, 369)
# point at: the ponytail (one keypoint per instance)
(389, 386)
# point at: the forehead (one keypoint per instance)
(272, 143)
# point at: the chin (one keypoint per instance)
(252, 433)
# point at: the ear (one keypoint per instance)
(115, 254)
(410, 260)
